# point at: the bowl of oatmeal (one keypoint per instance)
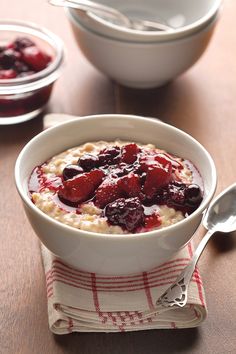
(114, 194)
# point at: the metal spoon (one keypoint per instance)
(110, 13)
(220, 217)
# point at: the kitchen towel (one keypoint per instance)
(79, 301)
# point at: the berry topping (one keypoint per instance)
(88, 162)
(193, 195)
(8, 58)
(35, 58)
(130, 185)
(157, 176)
(128, 213)
(109, 156)
(130, 153)
(7, 74)
(152, 221)
(107, 192)
(23, 58)
(180, 196)
(71, 171)
(80, 188)
(21, 43)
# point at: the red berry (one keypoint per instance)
(130, 184)
(95, 177)
(129, 153)
(8, 58)
(8, 74)
(107, 192)
(109, 156)
(128, 213)
(80, 188)
(20, 43)
(88, 162)
(35, 58)
(157, 177)
(163, 158)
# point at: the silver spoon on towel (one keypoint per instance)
(220, 217)
(110, 13)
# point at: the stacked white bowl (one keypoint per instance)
(145, 59)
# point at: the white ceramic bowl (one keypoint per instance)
(104, 253)
(186, 17)
(141, 65)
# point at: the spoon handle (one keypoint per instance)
(177, 293)
(96, 8)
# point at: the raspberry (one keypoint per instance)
(128, 213)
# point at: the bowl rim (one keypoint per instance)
(82, 27)
(155, 35)
(43, 77)
(81, 233)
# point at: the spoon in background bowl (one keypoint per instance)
(109, 13)
(220, 217)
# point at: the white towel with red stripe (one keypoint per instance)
(86, 302)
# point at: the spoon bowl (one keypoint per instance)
(221, 214)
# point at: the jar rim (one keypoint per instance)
(43, 77)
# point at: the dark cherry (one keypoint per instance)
(193, 195)
(71, 171)
(88, 162)
(128, 213)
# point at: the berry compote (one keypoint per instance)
(21, 59)
(137, 188)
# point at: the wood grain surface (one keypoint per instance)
(203, 103)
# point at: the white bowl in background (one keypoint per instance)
(141, 65)
(106, 253)
(186, 17)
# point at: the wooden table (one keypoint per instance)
(203, 103)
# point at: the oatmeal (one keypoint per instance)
(116, 187)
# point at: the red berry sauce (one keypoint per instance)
(18, 59)
(128, 183)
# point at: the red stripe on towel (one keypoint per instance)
(147, 291)
(95, 298)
